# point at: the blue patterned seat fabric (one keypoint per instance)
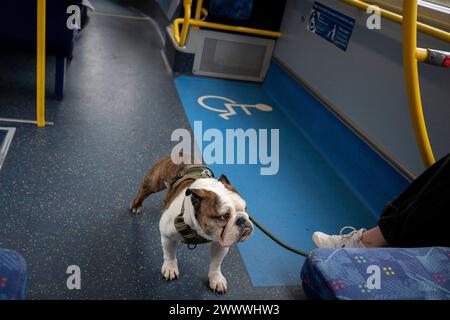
(13, 276)
(406, 274)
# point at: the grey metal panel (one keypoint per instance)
(365, 83)
(232, 56)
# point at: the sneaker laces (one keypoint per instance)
(348, 235)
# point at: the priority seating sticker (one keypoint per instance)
(331, 25)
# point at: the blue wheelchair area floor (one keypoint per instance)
(305, 195)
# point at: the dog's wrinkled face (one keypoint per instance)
(220, 211)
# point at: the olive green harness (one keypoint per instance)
(190, 172)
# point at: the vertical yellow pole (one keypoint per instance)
(410, 66)
(40, 73)
(187, 17)
(198, 12)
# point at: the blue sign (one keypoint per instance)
(331, 25)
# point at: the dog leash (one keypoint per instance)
(278, 241)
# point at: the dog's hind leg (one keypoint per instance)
(144, 191)
(157, 179)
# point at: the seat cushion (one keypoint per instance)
(13, 276)
(405, 274)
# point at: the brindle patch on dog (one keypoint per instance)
(205, 203)
(159, 178)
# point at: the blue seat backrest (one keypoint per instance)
(13, 276)
(231, 9)
(18, 25)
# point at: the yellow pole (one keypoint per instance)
(40, 73)
(187, 17)
(176, 30)
(422, 55)
(427, 29)
(198, 12)
(410, 66)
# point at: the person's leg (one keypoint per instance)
(352, 239)
(362, 238)
(373, 238)
(418, 217)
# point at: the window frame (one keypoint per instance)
(432, 14)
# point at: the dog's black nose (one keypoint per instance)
(241, 221)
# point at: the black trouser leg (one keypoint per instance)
(420, 216)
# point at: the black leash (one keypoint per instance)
(278, 241)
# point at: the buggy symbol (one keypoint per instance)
(230, 105)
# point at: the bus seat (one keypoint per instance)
(13, 276)
(18, 31)
(405, 274)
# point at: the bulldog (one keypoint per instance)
(197, 209)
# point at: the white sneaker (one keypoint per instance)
(349, 240)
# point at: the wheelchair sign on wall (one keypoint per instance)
(331, 25)
(227, 107)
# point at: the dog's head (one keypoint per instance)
(220, 212)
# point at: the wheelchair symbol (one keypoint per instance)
(230, 106)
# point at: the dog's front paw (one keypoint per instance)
(169, 270)
(136, 209)
(217, 282)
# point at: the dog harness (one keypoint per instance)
(190, 172)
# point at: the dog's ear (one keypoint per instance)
(223, 178)
(198, 195)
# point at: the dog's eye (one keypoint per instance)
(224, 217)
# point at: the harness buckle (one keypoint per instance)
(191, 246)
(206, 173)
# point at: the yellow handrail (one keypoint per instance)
(422, 27)
(198, 9)
(187, 22)
(411, 55)
(40, 71)
(187, 4)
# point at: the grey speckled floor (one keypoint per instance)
(64, 190)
